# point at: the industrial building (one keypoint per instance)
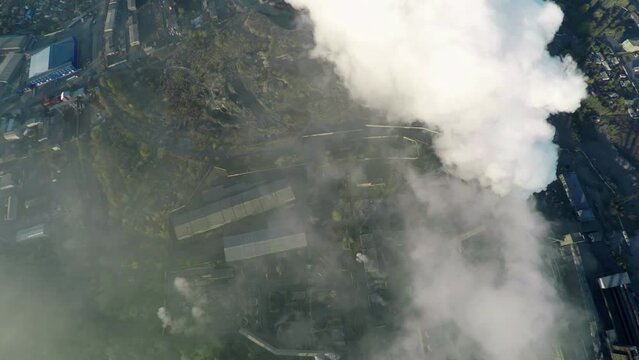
(32, 233)
(9, 67)
(134, 33)
(109, 23)
(11, 208)
(622, 309)
(259, 243)
(576, 196)
(7, 182)
(54, 62)
(13, 130)
(13, 43)
(624, 352)
(251, 202)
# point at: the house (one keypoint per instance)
(630, 45)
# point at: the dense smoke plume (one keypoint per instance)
(479, 72)
(490, 287)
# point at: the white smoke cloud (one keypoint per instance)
(490, 286)
(183, 287)
(198, 314)
(165, 317)
(477, 70)
(189, 293)
(175, 326)
(198, 317)
(361, 258)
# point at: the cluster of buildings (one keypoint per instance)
(117, 31)
(263, 252)
(246, 201)
(615, 77)
(245, 220)
(23, 69)
(13, 208)
(39, 16)
(39, 127)
(20, 67)
(12, 59)
(603, 285)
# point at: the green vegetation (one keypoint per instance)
(595, 17)
(141, 184)
(245, 84)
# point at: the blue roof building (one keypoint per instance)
(54, 62)
(576, 196)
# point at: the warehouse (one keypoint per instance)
(13, 43)
(259, 243)
(134, 34)
(54, 62)
(576, 196)
(11, 208)
(621, 306)
(252, 202)
(109, 23)
(9, 67)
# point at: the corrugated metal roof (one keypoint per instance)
(213, 216)
(63, 52)
(260, 243)
(39, 62)
(13, 42)
(57, 55)
(110, 19)
(613, 281)
(576, 196)
(9, 66)
(134, 35)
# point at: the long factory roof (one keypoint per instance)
(251, 202)
(259, 243)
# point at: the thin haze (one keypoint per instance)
(479, 72)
